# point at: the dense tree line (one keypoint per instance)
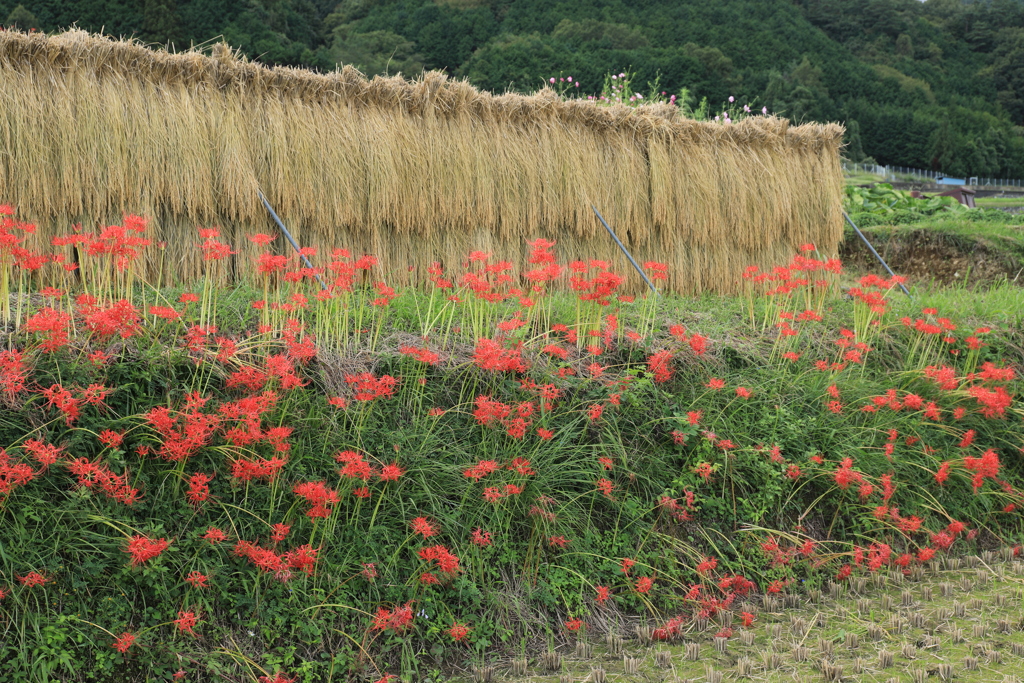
(936, 84)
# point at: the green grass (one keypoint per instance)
(947, 614)
(863, 179)
(998, 202)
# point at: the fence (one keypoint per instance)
(903, 173)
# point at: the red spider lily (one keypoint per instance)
(369, 571)
(480, 538)
(214, 535)
(446, 561)
(280, 532)
(45, 454)
(422, 526)
(13, 373)
(53, 325)
(33, 579)
(943, 473)
(595, 411)
(366, 387)
(644, 584)
(143, 549)
(423, 355)
(355, 466)
(481, 469)
(943, 376)
(707, 565)
(627, 564)
(606, 463)
(185, 622)
(458, 631)
(110, 438)
(397, 620)
(993, 402)
(318, 496)
(715, 384)
(743, 392)
(491, 355)
(704, 470)
(603, 594)
(391, 472)
(120, 318)
(698, 344)
(545, 434)
(428, 579)
(13, 475)
(123, 642)
(197, 579)
(558, 541)
(605, 487)
(575, 624)
(987, 466)
(279, 677)
(259, 468)
(64, 401)
(198, 490)
(114, 486)
(660, 365)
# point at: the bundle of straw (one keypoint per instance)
(410, 171)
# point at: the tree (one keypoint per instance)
(375, 52)
(21, 18)
(160, 22)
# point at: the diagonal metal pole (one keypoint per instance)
(290, 238)
(877, 256)
(624, 251)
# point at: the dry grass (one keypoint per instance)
(413, 172)
(957, 621)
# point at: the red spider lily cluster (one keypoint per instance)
(531, 377)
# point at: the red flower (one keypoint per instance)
(709, 564)
(396, 620)
(197, 579)
(644, 584)
(33, 579)
(660, 365)
(545, 434)
(421, 525)
(185, 622)
(280, 532)
(143, 549)
(480, 538)
(458, 631)
(743, 392)
(748, 619)
(318, 496)
(605, 486)
(391, 472)
(575, 624)
(214, 535)
(558, 541)
(715, 384)
(627, 564)
(198, 491)
(366, 387)
(123, 642)
(603, 593)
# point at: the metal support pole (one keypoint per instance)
(624, 251)
(877, 256)
(290, 238)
